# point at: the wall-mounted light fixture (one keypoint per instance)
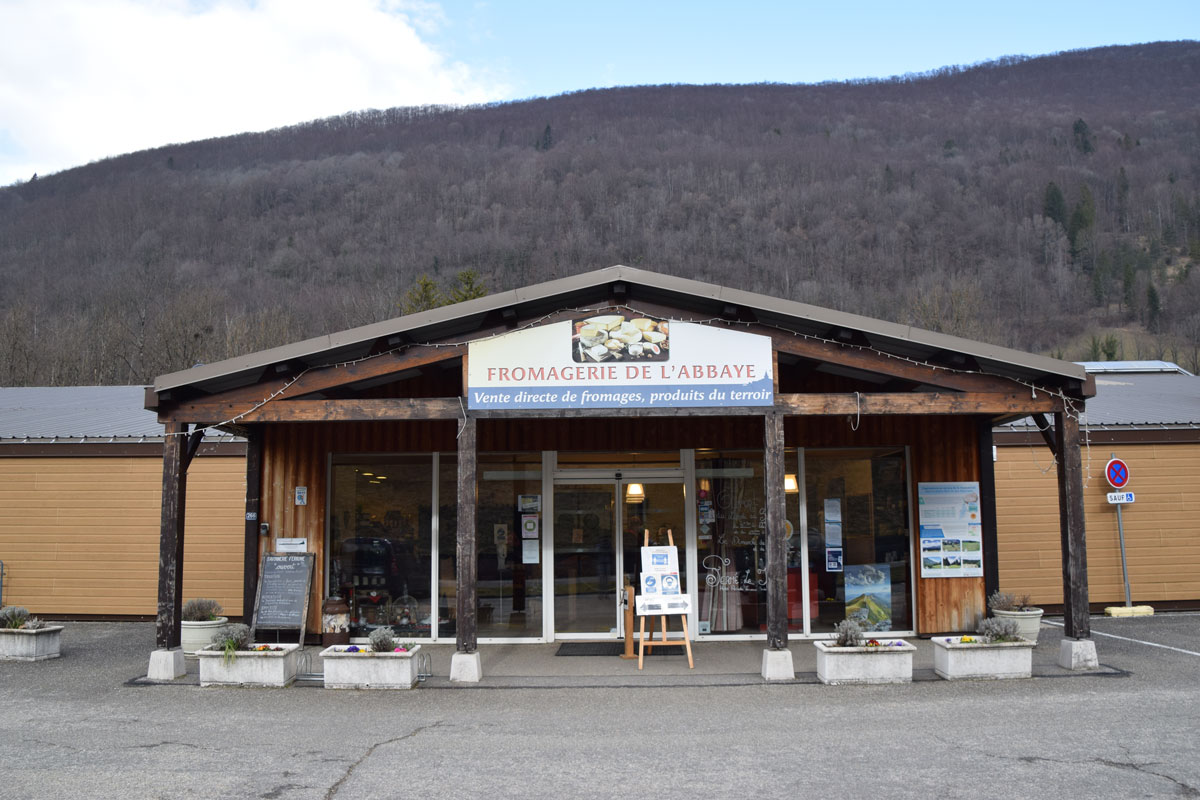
(789, 484)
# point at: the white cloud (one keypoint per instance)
(85, 79)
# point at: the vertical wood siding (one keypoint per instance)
(81, 535)
(1162, 528)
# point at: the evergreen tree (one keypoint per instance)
(423, 296)
(1153, 309)
(547, 140)
(467, 286)
(1054, 205)
(1083, 137)
(1082, 219)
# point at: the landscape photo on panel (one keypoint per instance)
(612, 337)
(869, 595)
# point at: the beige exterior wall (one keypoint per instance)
(81, 535)
(1162, 528)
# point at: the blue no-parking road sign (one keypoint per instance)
(1117, 473)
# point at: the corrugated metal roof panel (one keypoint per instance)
(78, 413)
(1141, 399)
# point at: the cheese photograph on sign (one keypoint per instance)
(615, 361)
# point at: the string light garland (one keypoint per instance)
(1068, 404)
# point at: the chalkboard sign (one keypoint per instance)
(283, 587)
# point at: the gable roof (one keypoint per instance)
(1139, 400)
(622, 285)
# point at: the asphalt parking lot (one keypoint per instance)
(88, 725)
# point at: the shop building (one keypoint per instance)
(485, 472)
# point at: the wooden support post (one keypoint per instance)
(254, 437)
(987, 508)
(1070, 510)
(773, 473)
(170, 545)
(465, 638)
(628, 623)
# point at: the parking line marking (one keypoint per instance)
(1127, 639)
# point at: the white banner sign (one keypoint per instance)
(1120, 498)
(616, 361)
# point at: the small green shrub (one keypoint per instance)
(34, 624)
(999, 630)
(232, 638)
(13, 617)
(849, 633)
(201, 609)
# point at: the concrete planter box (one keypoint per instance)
(250, 668)
(369, 670)
(884, 664)
(1028, 622)
(954, 660)
(19, 644)
(195, 635)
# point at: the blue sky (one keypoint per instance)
(81, 80)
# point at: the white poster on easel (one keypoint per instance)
(661, 588)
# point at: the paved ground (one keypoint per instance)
(87, 725)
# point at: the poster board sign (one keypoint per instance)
(284, 583)
(661, 589)
(869, 595)
(951, 530)
(620, 361)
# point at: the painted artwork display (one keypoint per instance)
(869, 595)
(951, 530)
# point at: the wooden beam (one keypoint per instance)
(1047, 432)
(776, 508)
(365, 410)
(170, 545)
(987, 506)
(1070, 510)
(254, 448)
(882, 364)
(891, 403)
(465, 629)
(316, 380)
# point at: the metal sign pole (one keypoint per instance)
(1124, 568)
(1121, 536)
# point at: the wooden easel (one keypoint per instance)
(643, 645)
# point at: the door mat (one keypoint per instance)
(613, 649)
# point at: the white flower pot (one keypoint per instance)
(19, 644)
(195, 635)
(369, 670)
(1028, 622)
(884, 664)
(249, 667)
(954, 660)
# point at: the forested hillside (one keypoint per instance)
(1049, 204)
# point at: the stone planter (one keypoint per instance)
(195, 635)
(250, 667)
(954, 660)
(1028, 622)
(39, 644)
(369, 670)
(884, 664)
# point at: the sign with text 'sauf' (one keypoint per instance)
(613, 361)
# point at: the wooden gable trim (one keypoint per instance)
(315, 380)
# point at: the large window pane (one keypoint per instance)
(857, 508)
(509, 553)
(381, 542)
(731, 541)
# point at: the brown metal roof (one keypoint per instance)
(639, 285)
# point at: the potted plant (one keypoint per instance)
(233, 660)
(26, 638)
(996, 651)
(850, 659)
(201, 618)
(1019, 610)
(383, 664)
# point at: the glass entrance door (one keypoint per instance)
(599, 527)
